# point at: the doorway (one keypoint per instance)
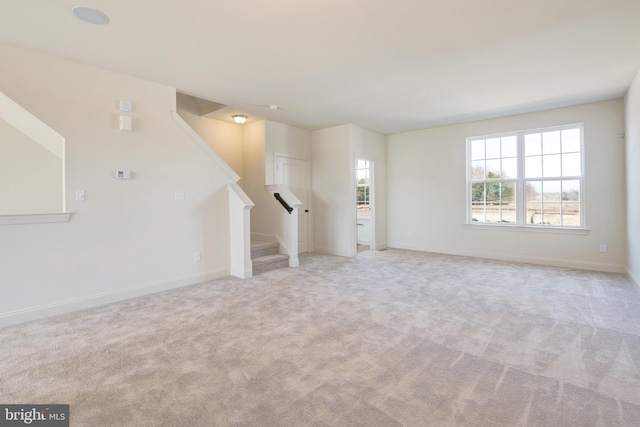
(294, 174)
(365, 230)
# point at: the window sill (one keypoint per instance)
(35, 218)
(581, 231)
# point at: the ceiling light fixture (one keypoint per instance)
(239, 118)
(89, 15)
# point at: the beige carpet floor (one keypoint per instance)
(387, 338)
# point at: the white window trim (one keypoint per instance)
(521, 221)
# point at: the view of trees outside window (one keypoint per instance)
(363, 195)
(494, 172)
(550, 180)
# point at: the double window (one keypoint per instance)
(532, 178)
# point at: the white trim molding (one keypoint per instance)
(35, 218)
(81, 303)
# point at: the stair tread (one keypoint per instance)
(269, 258)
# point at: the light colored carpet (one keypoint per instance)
(384, 339)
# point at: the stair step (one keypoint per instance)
(269, 262)
(260, 249)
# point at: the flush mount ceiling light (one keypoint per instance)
(89, 15)
(239, 118)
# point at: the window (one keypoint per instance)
(532, 178)
(363, 189)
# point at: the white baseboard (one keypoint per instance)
(68, 306)
(331, 251)
(556, 262)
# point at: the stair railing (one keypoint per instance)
(285, 224)
(283, 202)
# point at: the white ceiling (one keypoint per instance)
(389, 66)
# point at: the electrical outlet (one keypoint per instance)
(603, 248)
(196, 257)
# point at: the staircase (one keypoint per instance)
(265, 257)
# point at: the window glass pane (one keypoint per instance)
(571, 164)
(534, 202)
(551, 213)
(551, 165)
(532, 144)
(571, 203)
(493, 148)
(571, 190)
(571, 214)
(362, 194)
(477, 203)
(510, 146)
(477, 149)
(509, 168)
(551, 142)
(478, 213)
(551, 191)
(477, 193)
(362, 164)
(508, 203)
(571, 140)
(493, 192)
(533, 167)
(477, 170)
(493, 168)
(507, 192)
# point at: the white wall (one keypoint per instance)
(334, 152)
(369, 145)
(254, 145)
(427, 193)
(224, 138)
(284, 139)
(632, 138)
(128, 237)
(30, 175)
(333, 194)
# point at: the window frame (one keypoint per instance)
(521, 181)
(366, 186)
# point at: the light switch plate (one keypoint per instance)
(179, 195)
(80, 196)
(126, 123)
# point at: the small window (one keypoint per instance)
(363, 189)
(532, 178)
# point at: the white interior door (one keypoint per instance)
(294, 173)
